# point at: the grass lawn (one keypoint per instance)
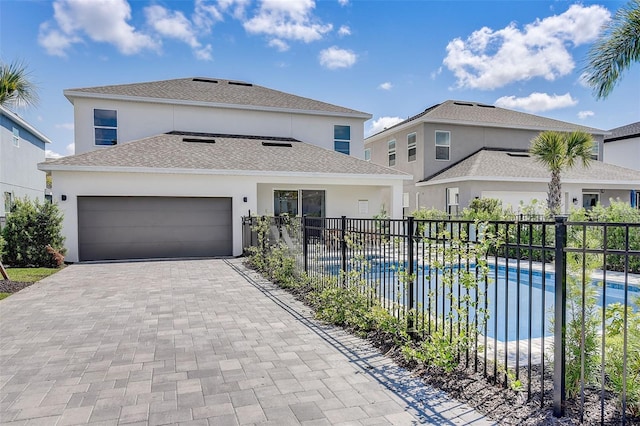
(27, 275)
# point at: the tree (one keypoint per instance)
(615, 51)
(559, 151)
(15, 85)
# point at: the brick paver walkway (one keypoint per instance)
(193, 342)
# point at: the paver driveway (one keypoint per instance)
(192, 342)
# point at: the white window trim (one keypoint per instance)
(436, 145)
(15, 137)
(104, 127)
(341, 140)
(414, 145)
(392, 151)
(367, 152)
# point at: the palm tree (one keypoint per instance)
(615, 51)
(15, 86)
(559, 151)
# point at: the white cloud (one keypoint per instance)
(51, 154)
(279, 44)
(104, 21)
(235, 7)
(583, 115)
(344, 31)
(334, 58)
(436, 73)
(206, 15)
(71, 148)
(343, 2)
(287, 20)
(537, 102)
(489, 59)
(382, 123)
(65, 126)
(386, 85)
(173, 24)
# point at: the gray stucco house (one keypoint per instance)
(459, 150)
(22, 147)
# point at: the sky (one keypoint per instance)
(391, 59)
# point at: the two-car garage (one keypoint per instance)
(111, 228)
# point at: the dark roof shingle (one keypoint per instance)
(218, 152)
(624, 132)
(474, 113)
(490, 164)
(214, 91)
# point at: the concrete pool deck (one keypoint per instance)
(194, 342)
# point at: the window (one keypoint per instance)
(443, 145)
(8, 202)
(595, 151)
(105, 123)
(16, 137)
(342, 139)
(392, 153)
(453, 201)
(411, 147)
(367, 154)
(310, 202)
(590, 200)
(285, 202)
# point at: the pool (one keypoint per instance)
(516, 308)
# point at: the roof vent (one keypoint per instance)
(518, 154)
(486, 106)
(200, 140)
(463, 103)
(205, 80)
(240, 83)
(280, 144)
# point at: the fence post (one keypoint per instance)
(343, 249)
(560, 317)
(411, 320)
(305, 246)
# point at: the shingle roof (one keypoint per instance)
(213, 91)
(624, 132)
(492, 164)
(233, 153)
(473, 113)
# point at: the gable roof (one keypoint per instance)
(213, 92)
(478, 114)
(517, 165)
(206, 153)
(22, 122)
(624, 132)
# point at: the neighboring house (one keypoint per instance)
(193, 156)
(22, 147)
(458, 151)
(622, 148)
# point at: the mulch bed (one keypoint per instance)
(8, 286)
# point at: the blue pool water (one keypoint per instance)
(516, 308)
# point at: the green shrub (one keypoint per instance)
(30, 228)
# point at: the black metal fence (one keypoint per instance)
(542, 301)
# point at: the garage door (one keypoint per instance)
(112, 228)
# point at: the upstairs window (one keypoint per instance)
(392, 152)
(105, 124)
(342, 139)
(411, 147)
(595, 151)
(367, 154)
(16, 137)
(443, 145)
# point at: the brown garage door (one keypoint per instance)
(111, 228)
